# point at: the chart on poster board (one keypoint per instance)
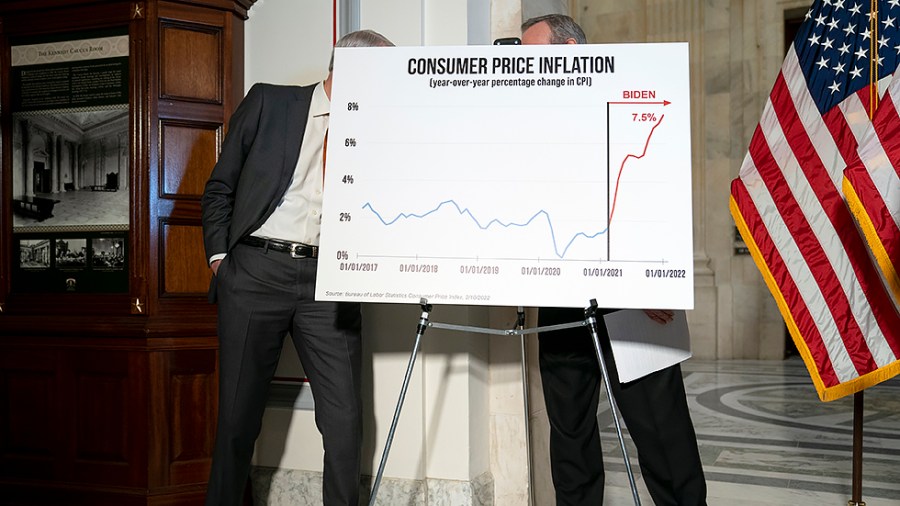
(509, 176)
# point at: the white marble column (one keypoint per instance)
(28, 152)
(55, 163)
(124, 179)
(77, 167)
(506, 18)
(99, 153)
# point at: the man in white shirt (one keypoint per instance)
(262, 212)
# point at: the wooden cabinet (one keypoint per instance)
(108, 351)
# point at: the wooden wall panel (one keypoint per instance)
(101, 432)
(28, 403)
(184, 265)
(29, 393)
(189, 152)
(108, 417)
(192, 408)
(191, 58)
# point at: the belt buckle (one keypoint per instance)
(294, 248)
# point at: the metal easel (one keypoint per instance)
(519, 330)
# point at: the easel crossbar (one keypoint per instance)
(507, 332)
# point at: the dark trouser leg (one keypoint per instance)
(656, 412)
(253, 319)
(571, 380)
(327, 338)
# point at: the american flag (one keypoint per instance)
(789, 205)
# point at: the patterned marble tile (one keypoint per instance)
(765, 438)
(291, 487)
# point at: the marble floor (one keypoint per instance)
(766, 439)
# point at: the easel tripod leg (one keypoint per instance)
(592, 321)
(420, 330)
(520, 325)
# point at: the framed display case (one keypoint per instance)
(111, 117)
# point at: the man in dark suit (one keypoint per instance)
(261, 218)
(654, 407)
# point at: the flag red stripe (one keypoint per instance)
(809, 332)
(887, 126)
(842, 133)
(833, 203)
(863, 95)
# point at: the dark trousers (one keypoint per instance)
(654, 409)
(262, 296)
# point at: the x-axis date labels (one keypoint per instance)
(482, 270)
(666, 273)
(419, 268)
(606, 272)
(541, 271)
(358, 266)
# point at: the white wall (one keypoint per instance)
(288, 42)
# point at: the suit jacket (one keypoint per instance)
(258, 158)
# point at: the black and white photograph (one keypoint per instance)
(34, 253)
(71, 253)
(70, 171)
(108, 253)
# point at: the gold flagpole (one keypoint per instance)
(873, 60)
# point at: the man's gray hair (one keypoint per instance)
(360, 38)
(562, 28)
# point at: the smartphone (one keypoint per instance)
(508, 41)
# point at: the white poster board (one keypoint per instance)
(509, 175)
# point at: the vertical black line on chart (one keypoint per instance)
(608, 221)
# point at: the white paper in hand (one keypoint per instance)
(642, 346)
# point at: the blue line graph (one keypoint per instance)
(490, 223)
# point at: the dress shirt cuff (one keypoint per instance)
(217, 256)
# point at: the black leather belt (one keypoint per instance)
(296, 249)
